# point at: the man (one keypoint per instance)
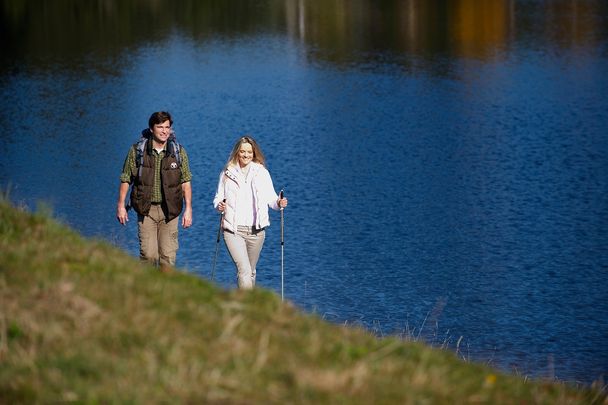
(158, 168)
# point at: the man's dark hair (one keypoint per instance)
(158, 118)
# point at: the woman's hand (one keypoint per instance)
(221, 206)
(282, 202)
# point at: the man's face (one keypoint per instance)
(162, 131)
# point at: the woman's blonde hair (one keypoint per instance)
(258, 156)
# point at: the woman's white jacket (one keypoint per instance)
(263, 192)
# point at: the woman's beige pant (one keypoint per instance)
(157, 238)
(244, 247)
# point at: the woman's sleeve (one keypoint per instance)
(269, 193)
(219, 194)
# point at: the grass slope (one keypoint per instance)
(81, 321)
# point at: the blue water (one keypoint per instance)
(459, 200)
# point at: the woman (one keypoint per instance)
(244, 193)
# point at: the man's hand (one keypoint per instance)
(121, 211)
(122, 215)
(187, 218)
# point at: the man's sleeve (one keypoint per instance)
(129, 168)
(186, 175)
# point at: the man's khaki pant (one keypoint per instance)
(157, 238)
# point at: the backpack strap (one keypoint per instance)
(174, 148)
(140, 149)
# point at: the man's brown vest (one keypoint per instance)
(171, 188)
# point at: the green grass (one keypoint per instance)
(81, 321)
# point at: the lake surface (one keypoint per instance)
(446, 165)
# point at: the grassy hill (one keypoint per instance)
(81, 321)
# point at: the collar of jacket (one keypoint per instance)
(231, 171)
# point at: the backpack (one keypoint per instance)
(173, 148)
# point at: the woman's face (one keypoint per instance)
(245, 154)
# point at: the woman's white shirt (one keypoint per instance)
(245, 212)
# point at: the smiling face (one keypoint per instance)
(161, 132)
(245, 154)
(245, 151)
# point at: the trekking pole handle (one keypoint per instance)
(219, 229)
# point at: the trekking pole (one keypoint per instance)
(282, 245)
(217, 243)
